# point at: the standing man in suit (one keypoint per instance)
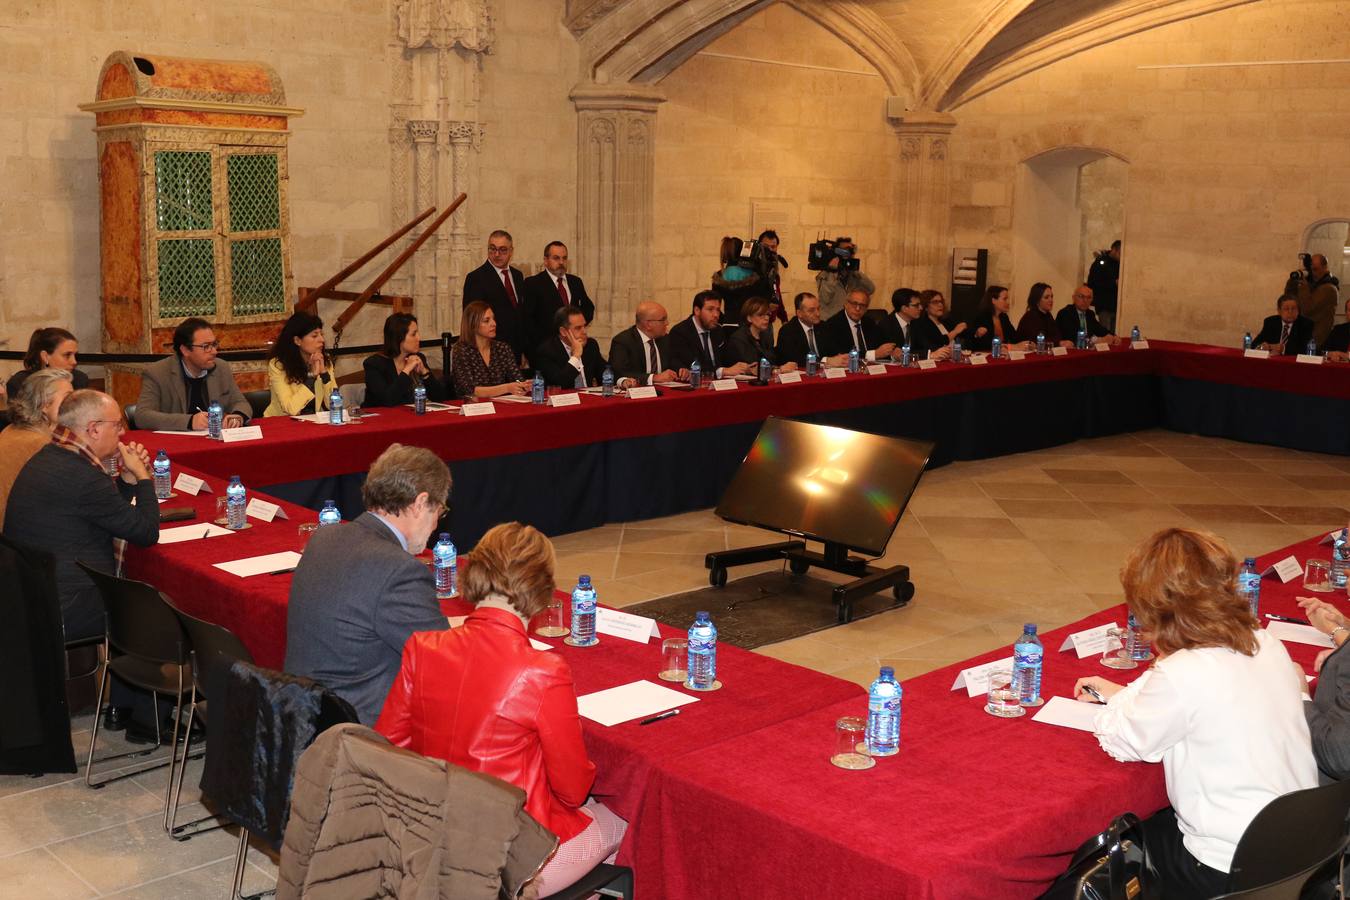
(502, 286)
(641, 354)
(1078, 316)
(176, 391)
(360, 591)
(1287, 332)
(850, 329)
(701, 337)
(569, 359)
(802, 334)
(551, 290)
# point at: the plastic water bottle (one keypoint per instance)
(1028, 655)
(1249, 585)
(1247, 341)
(883, 714)
(446, 561)
(163, 481)
(957, 353)
(1312, 347)
(996, 349)
(335, 408)
(765, 371)
(583, 614)
(607, 382)
(1040, 343)
(420, 400)
(215, 418)
(1136, 647)
(329, 515)
(812, 364)
(1134, 334)
(853, 360)
(537, 389)
(702, 653)
(1081, 344)
(906, 356)
(695, 375)
(236, 502)
(1340, 559)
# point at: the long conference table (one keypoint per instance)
(735, 796)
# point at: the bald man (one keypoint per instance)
(639, 355)
(1317, 297)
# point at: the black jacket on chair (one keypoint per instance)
(483, 283)
(835, 334)
(551, 358)
(1299, 334)
(541, 301)
(685, 346)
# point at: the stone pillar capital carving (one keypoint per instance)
(922, 240)
(423, 130)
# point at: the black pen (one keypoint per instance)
(282, 571)
(1287, 619)
(658, 718)
(1093, 692)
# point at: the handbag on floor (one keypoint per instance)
(1110, 866)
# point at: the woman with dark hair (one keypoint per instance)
(393, 373)
(936, 329)
(484, 367)
(992, 322)
(1221, 708)
(481, 697)
(753, 341)
(734, 283)
(49, 348)
(298, 374)
(1040, 318)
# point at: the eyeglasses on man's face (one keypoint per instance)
(206, 345)
(118, 424)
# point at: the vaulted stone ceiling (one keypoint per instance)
(933, 54)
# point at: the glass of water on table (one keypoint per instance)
(1003, 700)
(850, 744)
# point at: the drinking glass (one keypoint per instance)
(1317, 576)
(1003, 700)
(1117, 657)
(306, 531)
(850, 744)
(354, 413)
(674, 660)
(551, 620)
(222, 516)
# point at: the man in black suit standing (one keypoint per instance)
(569, 359)
(1079, 316)
(803, 334)
(551, 290)
(1287, 332)
(641, 354)
(850, 329)
(501, 286)
(701, 336)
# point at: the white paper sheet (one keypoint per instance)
(513, 398)
(1068, 713)
(184, 433)
(260, 565)
(1299, 634)
(190, 533)
(630, 701)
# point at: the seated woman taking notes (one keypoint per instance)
(484, 366)
(481, 697)
(393, 373)
(298, 373)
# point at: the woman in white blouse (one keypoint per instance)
(1221, 708)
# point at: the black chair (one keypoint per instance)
(144, 633)
(258, 402)
(1294, 838)
(606, 879)
(213, 650)
(130, 412)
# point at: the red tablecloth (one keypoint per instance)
(1222, 365)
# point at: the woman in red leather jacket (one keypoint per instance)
(481, 697)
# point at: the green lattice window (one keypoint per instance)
(187, 278)
(254, 200)
(183, 191)
(256, 278)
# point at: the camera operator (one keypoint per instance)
(1104, 279)
(1317, 293)
(834, 283)
(735, 283)
(768, 240)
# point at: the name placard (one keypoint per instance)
(1253, 353)
(187, 484)
(979, 359)
(1092, 641)
(642, 392)
(877, 369)
(725, 384)
(246, 433)
(1286, 570)
(1102, 347)
(976, 679)
(565, 400)
(836, 373)
(478, 409)
(789, 377)
(928, 364)
(1016, 355)
(264, 511)
(625, 625)
(1311, 359)
(1059, 351)
(1140, 344)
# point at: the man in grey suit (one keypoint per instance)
(176, 391)
(1328, 713)
(359, 591)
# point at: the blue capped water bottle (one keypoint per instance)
(583, 614)
(1081, 343)
(420, 400)
(1340, 560)
(1249, 585)
(1312, 347)
(1136, 647)
(765, 371)
(329, 515)
(163, 478)
(1040, 343)
(883, 714)
(1247, 341)
(445, 560)
(607, 382)
(537, 389)
(215, 419)
(1028, 656)
(853, 360)
(236, 504)
(702, 654)
(695, 374)
(957, 352)
(1134, 334)
(906, 356)
(812, 363)
(996, 349)
(335, 408)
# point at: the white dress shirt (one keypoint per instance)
(575, 362)
(904, 328)
(855, 329)
(717, 370)
(1229, 730)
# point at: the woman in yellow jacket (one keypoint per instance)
(297, 373)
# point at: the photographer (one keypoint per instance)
(1317, 293)
(1104, 279)
(834, 282)
(768, 240)
(735, 283)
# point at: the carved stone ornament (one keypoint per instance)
(938, 150)
(909, 148)
(444, 24)
(423, 130)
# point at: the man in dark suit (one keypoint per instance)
(802, 334)
(701, 337)
(360, 591)
(641, 354)
(1287, 332)
(898, 327)
(569, 359)
(175, 392)
(501, 286)
(1078, 316)
(549, 291)
(1327, 713)
(851, 328)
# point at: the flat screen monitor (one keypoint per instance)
(826, 484)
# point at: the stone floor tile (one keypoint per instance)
(661, 540)
(1019, 490)
(1046, 509)
(1088, 476)
(970, 528)
(37, 875)
(1227, 513)
(207, 882)
(40, 817)
(1316, 516)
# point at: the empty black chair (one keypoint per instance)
(258, 401)
(1291, 840)
(130, 412)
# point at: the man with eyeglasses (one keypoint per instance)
(851, 329)
(641, 354)
(502, 286)
(176, 391)
(898, 328)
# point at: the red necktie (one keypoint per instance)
(510, 288)
(562, 291)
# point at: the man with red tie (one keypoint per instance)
(499, 284)
(549, 291)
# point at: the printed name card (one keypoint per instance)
(725, 384)
(625, 625)
(928, 364)
(565, 400)
(979, 359)
(478, 409)
(1102, 348)
(190, 485)
(1092, 641)
(1016, 355)
(1311, 359)
(1140, 344)
(835, 372)
(1286, 570)
(1329, 540)
(261, 509)
(789, 377)
(1256, 354)
(976, 679)
(877, 369)
(1059, 351)
(247, 433)
(643, 392)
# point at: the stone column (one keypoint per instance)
(921, 249)
(616, 133)
(464, 138)
(424, 133)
